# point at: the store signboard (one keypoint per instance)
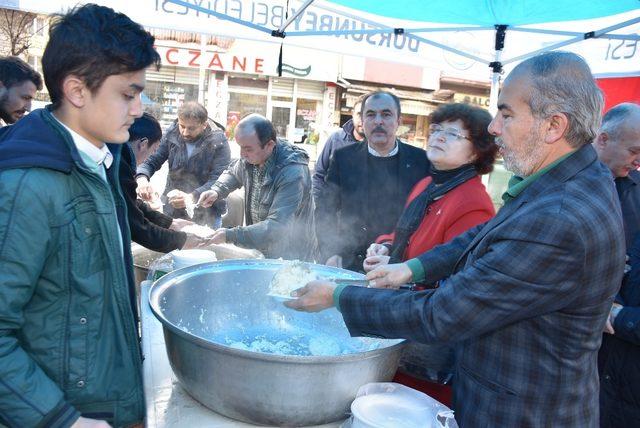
(244, 56)
(217, 61)
(471, 99)
(605, 57)
(321, 62)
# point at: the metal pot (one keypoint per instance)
(143, 258)
(202, 306)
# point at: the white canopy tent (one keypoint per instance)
(468, 39)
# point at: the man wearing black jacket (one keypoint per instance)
(367, 185)
(618, 147)
(149, 228)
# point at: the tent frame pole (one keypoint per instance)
(294, 16)
(584, 36)
(496, 66)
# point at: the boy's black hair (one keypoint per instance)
(94, 42)
(147, 127)
(14, 71)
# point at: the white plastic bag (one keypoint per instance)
(392, 405)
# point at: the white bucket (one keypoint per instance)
(391, 405)
(186, 258)
(388, 411)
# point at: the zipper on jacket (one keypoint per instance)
(113, 248)
(125, 308)
(67, 318)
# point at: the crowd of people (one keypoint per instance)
(530, 314)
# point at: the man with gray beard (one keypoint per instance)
(527, 293)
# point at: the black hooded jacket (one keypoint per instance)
(149, 228)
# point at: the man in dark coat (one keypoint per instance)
(198, 152)
(618, 147)
(349, 215)
(619, 357)
(527, 293)
(350, 133)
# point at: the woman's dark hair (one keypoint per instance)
(94, 42)
(14, 71)
(476, 120)
(147, 127)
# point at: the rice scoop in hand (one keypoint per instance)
(291, 276)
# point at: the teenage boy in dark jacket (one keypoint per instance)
(69, 350)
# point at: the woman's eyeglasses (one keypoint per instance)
(449, 133)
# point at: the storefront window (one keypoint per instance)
(280, 119)
(307, 120)
(497, 183)
(240, 105)
(165, 99)
(407, 129)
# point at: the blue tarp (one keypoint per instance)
(491, 12)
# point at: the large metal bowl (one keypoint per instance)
(197, 305)
(143, 258)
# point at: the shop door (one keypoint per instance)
(280, 117)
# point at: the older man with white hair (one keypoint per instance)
(528, 292)
(618, 147)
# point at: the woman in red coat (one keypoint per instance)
(441, 206)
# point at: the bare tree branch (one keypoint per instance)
(14, 27)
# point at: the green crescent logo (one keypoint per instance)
(300, 72)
